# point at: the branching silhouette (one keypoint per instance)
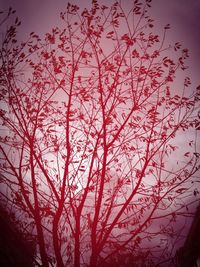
(91, 151)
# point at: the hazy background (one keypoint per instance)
(183, 15)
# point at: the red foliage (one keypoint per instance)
(91, 124)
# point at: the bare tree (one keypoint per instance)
(91, 157)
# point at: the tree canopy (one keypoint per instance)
(91, 158)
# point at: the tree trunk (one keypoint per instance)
(77, 244)
(37, 217)
(56, 244)
(93, 259)
(40, 237)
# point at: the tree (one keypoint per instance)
(188, 254)
(15, 248)
(90, 153)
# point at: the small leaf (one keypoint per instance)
(167, 27)
(181, 190)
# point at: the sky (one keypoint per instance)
(183, 16)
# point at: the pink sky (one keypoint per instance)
(183, 15)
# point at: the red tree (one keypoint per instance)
(90, 153)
